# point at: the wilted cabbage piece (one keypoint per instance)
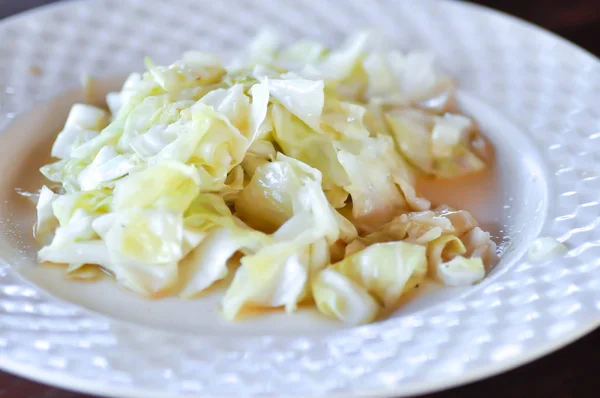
(380, 272)
(339, 297)
(545, 248)
(221, 235)
(439, 146)
(447, 264)
(292, 169)
(83, 123)
(458, 251)
(46, 220)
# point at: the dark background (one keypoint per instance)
(571, 372)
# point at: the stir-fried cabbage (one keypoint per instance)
(291, 169)
(438, 146)
(383, 271)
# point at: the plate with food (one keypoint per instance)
(292, 199)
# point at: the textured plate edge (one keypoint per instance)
(514, 18)
(65, 381)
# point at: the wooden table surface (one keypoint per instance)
(567, 373)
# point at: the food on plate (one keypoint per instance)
(291, 169)
(545, 248)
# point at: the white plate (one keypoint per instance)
(536, 97)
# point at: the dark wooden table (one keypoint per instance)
(568, 373)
